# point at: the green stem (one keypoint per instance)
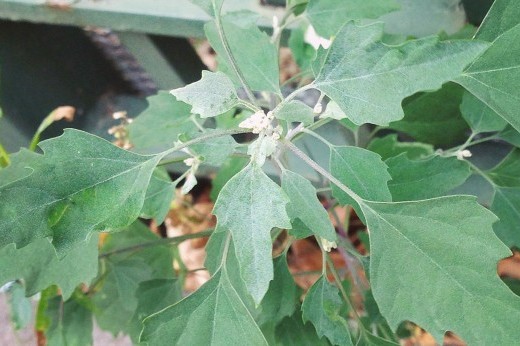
(174, 160)
(159, 242)
(470, 143)
(314, 126)
(248, 105)
(4, 157)
(321, 170)
(225, 44)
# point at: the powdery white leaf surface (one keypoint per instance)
(249, 206)
(212, 95)
(368, 79)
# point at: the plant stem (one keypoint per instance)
(233, 63)
(470, 143)
(321, 170)
(4, 157)
(174, 160)
(164, 241)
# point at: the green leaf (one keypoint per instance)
(212, 95)
(153, 296)
(507, 172)
(445, 251)
(362, 171)
(39, 267)
(253, 52)
(281, 298)
(20, 307)
(369, 79)
(505, 179)
(328, 16)
(389, 146)
(158, 196)
(292, 331)
(22, 165)
(296, 111)
(434, 117)
(322, 308)
(502, 16)
(479, 116)
(250, 205)
(299, 230)
(492, 78)
(214, 151)
(302, 52)
(305, 205)
(115, 299)
(213, 315)
(427, 178)
(506, 206)
(229, 168)
(510, 135)
(70, 323)
(159, 125)
(82, 184)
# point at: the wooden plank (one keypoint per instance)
(164, 17)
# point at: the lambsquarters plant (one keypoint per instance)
(433, 253)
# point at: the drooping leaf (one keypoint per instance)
(115, 300)
(389, 146)
(362, 171)
(492, 77)
(441, 254)
(282, 296)
(214, 151)
(20, 307)
(328, 16)
(39, 267)
(296, 111)
(427, 178)
(369, 79)
(322, 308)
(213, 315)
(158, 196)
(434, 117)
(305, 205)
(253, 52)
(250, 205)
(82, 184)
(153, 296)
(159, 125)
(212, 95)
(70, 322)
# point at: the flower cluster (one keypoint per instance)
(261, 123)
